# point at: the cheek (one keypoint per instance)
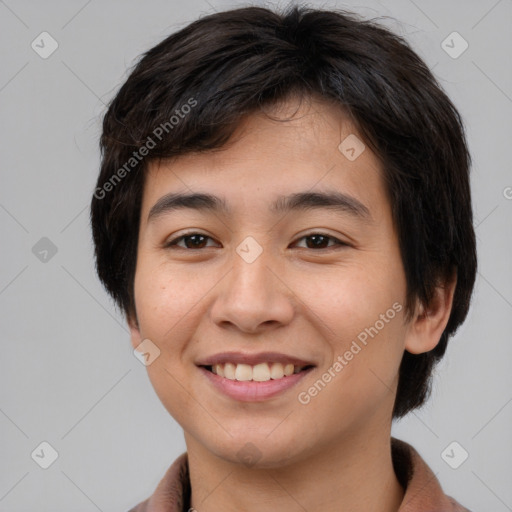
(371, 320)
(164, 298)
(360, 381)
(362, 319)
(165, 302)
(350, 298)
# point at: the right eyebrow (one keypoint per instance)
(177, 201)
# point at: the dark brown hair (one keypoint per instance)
(190, 92)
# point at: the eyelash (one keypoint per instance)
(173, 243)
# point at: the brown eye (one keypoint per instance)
(191, 241)
(321, 241)
(317, 241)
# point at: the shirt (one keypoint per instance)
(423, 492)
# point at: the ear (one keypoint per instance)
(135, 335)
(429, 321)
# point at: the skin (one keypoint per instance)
(332, 454)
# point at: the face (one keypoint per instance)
(277, 301)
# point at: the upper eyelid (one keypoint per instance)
(174, 240)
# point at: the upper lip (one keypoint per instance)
(252, 359)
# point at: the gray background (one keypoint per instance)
(68, 375)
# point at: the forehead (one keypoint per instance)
(291, 148)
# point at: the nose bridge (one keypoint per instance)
(252, 295)
(250, 274)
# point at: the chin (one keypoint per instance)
(259, 451)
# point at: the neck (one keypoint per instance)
(355, 475)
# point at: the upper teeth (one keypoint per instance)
(260, 372)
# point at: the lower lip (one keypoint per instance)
(252, 391)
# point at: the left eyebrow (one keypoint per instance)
(312, 200)
(294, 202)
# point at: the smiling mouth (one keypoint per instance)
(261, 372)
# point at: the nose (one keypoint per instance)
(253, 297)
